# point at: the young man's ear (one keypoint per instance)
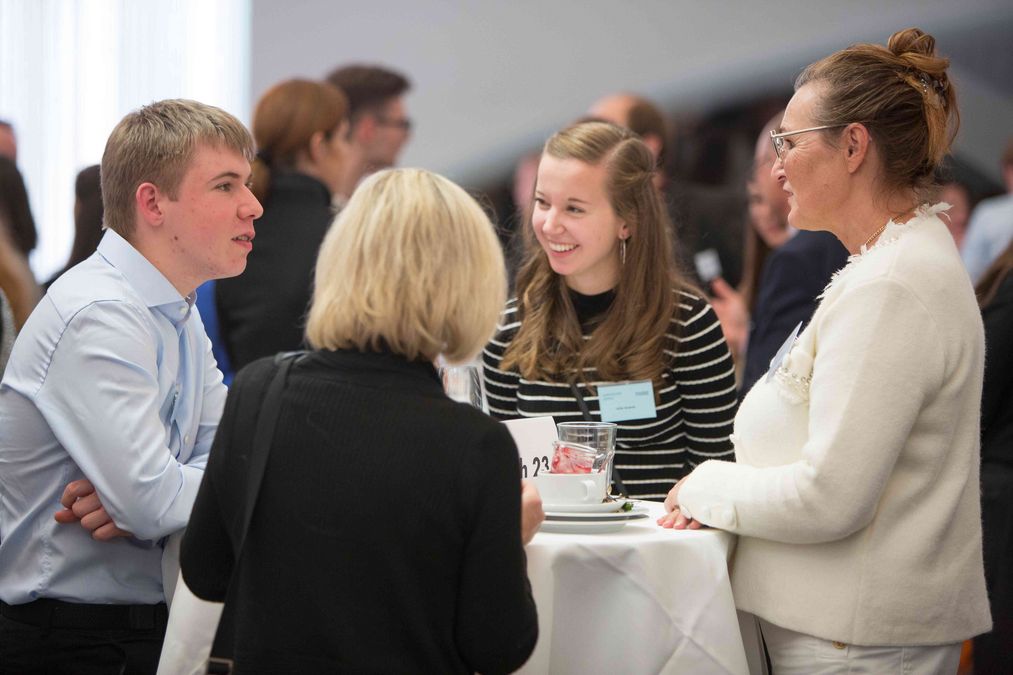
(148, 203)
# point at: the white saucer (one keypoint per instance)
(584, 526)
(635, 514)
(600, 507)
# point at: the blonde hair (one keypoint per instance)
(630, 340)
(155, 144)
(903, 96)
(412, 264)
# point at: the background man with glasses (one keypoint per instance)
(379, 124)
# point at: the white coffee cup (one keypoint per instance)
(562, 489)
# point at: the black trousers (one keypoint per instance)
(48, 637)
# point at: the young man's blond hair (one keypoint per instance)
(155, 145)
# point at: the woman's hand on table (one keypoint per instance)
(532, 514)
(674, 518)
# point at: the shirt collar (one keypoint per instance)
(149, 283)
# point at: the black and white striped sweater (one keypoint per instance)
(697, 404)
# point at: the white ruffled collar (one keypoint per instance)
(892, 233)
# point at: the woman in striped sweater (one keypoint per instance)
(601, 313)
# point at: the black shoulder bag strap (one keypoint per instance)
(262, 439)
(617, 480)
(263, 436)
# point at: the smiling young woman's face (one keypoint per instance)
(575, 224)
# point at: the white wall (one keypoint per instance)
(494, 79)
(71, 69)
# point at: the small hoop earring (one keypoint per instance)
(622, 251)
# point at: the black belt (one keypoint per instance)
(47, 613)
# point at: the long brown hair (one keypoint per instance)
(994, 277)
(755, 249)
(629, 340)
(15, 208)
(755, 252)
(286, 118)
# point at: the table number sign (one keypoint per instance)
(533, 436)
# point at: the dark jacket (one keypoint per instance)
(793, 277)
(992, 650)
(386, 536)
(997, 395)
(263, 310)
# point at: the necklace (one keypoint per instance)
(875, 234)
(900, 219)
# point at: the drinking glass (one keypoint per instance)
(598, 435)
(463, 384)
(570, 457)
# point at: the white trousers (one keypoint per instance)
(794, 653)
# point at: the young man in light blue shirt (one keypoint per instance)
(111, 398)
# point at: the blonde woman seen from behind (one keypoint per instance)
(401, 544)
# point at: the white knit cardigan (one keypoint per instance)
(856, 488)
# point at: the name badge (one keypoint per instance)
(775, 362)
(627, 401)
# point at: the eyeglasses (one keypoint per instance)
(778, 139)
(404, 123)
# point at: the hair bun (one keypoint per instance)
(912, 41)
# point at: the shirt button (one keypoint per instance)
(186, 439)
(838, 645)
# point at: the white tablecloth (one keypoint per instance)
(189, 634)
(641, 600)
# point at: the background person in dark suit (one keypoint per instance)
(995, 295)
(794, 273)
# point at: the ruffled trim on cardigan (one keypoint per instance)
(892, 234)
(794, 375)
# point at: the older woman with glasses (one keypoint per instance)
(856, 493)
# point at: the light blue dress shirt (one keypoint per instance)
(111, 379)
(989, 232)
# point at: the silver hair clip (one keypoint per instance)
(938, 88)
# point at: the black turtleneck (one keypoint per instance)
(591, 307)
